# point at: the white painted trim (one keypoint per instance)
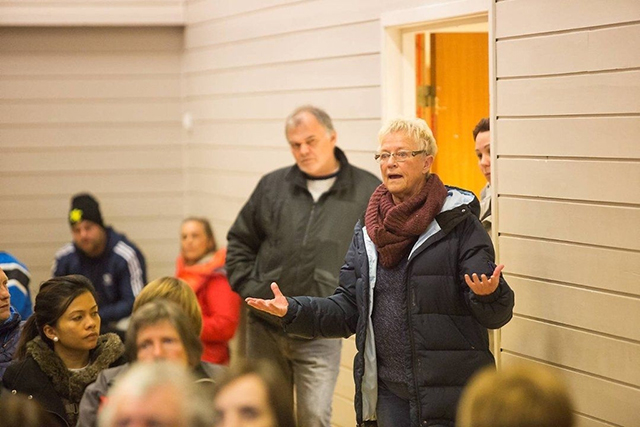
(433, 13)
(398, 65)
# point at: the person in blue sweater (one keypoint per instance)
(113, 264)
(10, 325)
(19, 278)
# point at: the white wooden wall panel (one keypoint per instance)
(97, 160)
(87, 12)
(360, 103)
(565, 179)
(602, 312)
(584, 351)
(63, 41)
(199, 11)
(571, 222)
(352, 134)
(113, 207)
(356, 39)
(299, 17)
(61, 136)
(89, 112)
(616, 137)
(522, 17)
(55, 230)
(601, 93)
(603, 400)
(147, 87)
(72, 65)
(570, 52)
(313, 74)
(21, 184)
(595, 267)
(90, 109)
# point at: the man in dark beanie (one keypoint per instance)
(115, 266)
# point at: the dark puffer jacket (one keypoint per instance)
(447, 321)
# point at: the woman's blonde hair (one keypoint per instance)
(525, 395)
(176, 290)
(416, 129)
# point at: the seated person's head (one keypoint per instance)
(517, 396)
(176, 290)
(196, 239)
(87, 227)
(160, 330)
(65, 316)
(18, 410)
(159, 394)
(252, 395)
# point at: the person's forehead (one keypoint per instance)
(3, 276)
(85, 223)
(398, 138)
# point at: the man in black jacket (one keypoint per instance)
(295, 229)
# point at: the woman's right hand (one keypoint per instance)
(277, 306)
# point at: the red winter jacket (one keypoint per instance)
(220, 305)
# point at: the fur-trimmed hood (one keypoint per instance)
(71, 384)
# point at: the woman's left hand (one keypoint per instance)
(483, 285)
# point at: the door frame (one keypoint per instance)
(397, 52)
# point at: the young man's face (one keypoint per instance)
(89, 237)
(312, 146)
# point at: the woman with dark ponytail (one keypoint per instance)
(60, 351)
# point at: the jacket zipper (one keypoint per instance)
(308, 227)
(414, 366)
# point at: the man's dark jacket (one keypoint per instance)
(281, 235)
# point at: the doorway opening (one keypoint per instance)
(442, 76)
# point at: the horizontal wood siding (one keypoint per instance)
(91, 12)
(90, 109)
(568, 191)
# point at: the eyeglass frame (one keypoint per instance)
(378, 156)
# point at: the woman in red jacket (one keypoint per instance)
(202, 266)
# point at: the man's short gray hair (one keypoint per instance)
(196, 401)
(416, 129)
(321, 116)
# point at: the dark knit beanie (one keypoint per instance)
(85, 207)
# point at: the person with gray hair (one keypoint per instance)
(295, 229)
(419, 288)
(158, 394)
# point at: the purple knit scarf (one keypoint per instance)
(395, 228)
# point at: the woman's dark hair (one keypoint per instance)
(482, 126)
(53, 299)
(207, 230)
(278, 400)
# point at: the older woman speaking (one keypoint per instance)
(419, 288)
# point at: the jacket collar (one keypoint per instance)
(343, 178)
